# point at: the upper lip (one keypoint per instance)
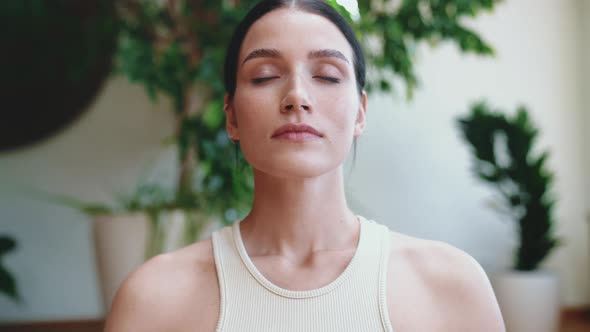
(294, 127)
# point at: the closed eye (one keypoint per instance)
(328, 78)
(262, 79)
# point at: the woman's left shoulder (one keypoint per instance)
(436, 259)
(450, 278)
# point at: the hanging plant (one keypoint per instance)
(55, 56)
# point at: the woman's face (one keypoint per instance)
(295, 68)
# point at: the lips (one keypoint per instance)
(296, 128)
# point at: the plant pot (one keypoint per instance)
(124, 242)
(529, 301)
(120, 243)
(174, 229)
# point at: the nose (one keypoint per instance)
(296, 97)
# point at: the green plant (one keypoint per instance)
(503, 157)
(7, 281)
(176, 48)
(391, 29)
(150, 199)
(147, 196)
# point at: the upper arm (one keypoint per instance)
(464, 291)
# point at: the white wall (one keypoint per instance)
(103, 153)
(412, 169)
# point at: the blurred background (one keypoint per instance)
(112, 111)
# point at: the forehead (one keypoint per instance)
(294, 32)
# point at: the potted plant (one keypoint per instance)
(176, 48)
(503, 158)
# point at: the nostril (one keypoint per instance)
(291, 107)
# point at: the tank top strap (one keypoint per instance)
(385, 251)
(221, 245)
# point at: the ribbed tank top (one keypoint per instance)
(354, 301)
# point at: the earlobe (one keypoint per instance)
(361, 118)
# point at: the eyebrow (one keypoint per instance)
(274, 53)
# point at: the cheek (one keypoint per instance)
(250, 106)
(342, 112)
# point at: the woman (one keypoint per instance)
(302, 260)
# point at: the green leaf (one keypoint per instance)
(7, 244)
(85, 207)
(7, 283)
(340, 9)
(214, 116)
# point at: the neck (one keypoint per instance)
(298, 217)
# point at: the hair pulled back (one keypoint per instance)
(317, 7)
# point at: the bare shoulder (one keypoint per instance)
(176, 291)
(443, 280)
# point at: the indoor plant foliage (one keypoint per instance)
(177, 47)
(391, 29)
(503, 157)
(8, 284)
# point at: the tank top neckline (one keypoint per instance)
(299, 294)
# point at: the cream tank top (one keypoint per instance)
(354, 301)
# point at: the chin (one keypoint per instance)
(297, 168)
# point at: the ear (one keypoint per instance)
(231, 121)
(361, 118)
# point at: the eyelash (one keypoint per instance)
(325, 78)
(262, 79)
(329, 79)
